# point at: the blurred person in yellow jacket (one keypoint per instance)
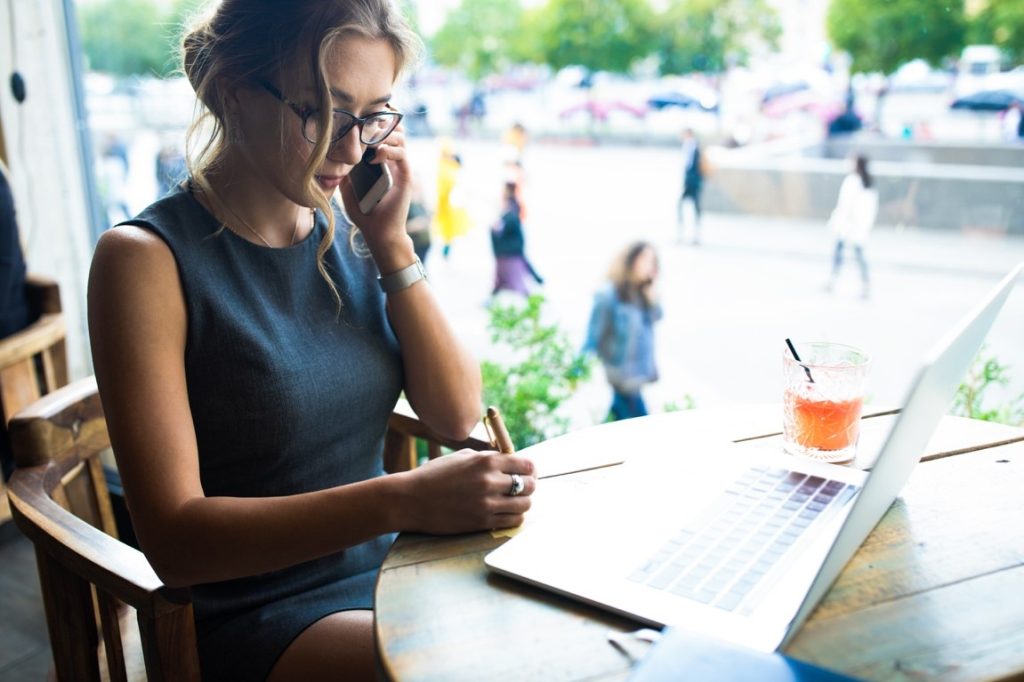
(450, 219)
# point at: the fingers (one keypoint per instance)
(500, 482)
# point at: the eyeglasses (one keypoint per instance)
(373, 129)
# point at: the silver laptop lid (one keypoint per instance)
(928, 399)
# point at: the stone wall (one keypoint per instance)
(924, 193)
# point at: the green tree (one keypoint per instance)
(709, 35)
(1000, 22)
(600, 35)
(880, 35)
(124, 37)
(133, 37)
(478, 36)
(543, 371)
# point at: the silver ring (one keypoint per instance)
(518, 485)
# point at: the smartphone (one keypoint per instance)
(371, 181)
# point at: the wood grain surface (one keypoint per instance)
(934, 593)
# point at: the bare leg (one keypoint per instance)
(338, 646)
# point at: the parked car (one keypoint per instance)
(684, 93)
(989, 100)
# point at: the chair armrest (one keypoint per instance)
(112, 566)
(33, 339)
(404, 420)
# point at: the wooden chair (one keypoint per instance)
(33, 362)
(88, 577)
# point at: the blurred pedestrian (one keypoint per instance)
(170, 168)
(852, 220)
(514, 140)
(113, 166)
(1013, 122)
(417, 223)
(621, 328)
(510, 266)
(693, 179)
(451, 220)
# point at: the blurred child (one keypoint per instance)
(621, 329)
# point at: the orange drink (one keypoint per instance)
(822, 401)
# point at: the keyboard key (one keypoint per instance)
(705, 596)
(816, 481)
(729, 601)
(664, 577)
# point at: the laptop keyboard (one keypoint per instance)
(723, 555)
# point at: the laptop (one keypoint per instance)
(739, 542)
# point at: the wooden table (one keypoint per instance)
(935, 592)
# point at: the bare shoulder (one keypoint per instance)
(127, 245)
(130, 259)
(135, 296)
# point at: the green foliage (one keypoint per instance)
(543, 371)
(985, 373)
(1001, 23)
(133, 37)
(479, 37)
(880, 35)
(687, 402)
(601, 35)
(709, 35)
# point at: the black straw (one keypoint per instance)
(807, 370)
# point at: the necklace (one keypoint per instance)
(295, 230)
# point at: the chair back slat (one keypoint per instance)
(169, 632)
(110, 610)
(67, 599)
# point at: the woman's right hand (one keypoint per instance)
(466, 491)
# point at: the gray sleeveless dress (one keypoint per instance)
(287, 397)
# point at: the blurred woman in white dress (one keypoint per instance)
(852, 220)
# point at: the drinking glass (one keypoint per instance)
(822, 400)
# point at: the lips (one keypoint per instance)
(329, 182)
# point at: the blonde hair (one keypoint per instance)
(238, 41)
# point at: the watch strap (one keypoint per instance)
(404, 278)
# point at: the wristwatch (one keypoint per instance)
(402, 279)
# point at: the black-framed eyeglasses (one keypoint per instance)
(373, 129)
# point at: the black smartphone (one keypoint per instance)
(371, 181)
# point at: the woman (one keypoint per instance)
(510, 266)
(852, 220)
(248, 361)
(621, 329)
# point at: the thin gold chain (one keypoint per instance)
(295, 230)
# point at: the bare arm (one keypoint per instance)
(442, 379)
(137, 324)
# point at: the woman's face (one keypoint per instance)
(645, 267)
(360, 74)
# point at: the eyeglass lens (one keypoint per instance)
(373, 131)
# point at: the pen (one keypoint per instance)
(500, 439)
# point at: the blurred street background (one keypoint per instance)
(779, 93)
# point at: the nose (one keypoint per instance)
(349, 149)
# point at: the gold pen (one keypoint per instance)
(495, 427)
